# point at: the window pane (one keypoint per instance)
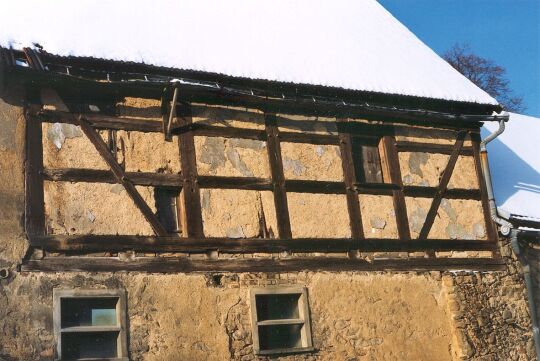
(273, 307)
(88, 312)
(89, 345)
(280, 336)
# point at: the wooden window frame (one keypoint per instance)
(304, 319)
(121, 318)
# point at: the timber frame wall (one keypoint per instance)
(193, 240)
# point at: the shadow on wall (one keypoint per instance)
(510, 173)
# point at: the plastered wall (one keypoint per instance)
(237, 213)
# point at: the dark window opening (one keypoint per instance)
(367, 160)
(89, 345)
(167, 208)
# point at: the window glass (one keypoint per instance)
(273, 307)
(280, 336)
(89, 345)
(88, 312)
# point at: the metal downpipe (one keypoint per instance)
(508, 229)
(505, 225)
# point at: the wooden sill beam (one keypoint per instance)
(117, 243)
(164, 265)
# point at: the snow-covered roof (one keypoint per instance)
(351, 44)
(515, 166)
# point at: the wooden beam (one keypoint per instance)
(117, 243)
(248, 183)
(34, 215)
(105, 176)
(443, 184)
(121, 176)
(101, 121)
(491, 228)
(349, 176)
(311, 186)
(394, 172)
(452, 193)
(278, 179)
(419, 147)
(164, 265)
(191, 195)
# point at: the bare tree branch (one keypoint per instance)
(485, 74)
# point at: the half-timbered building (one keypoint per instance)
(264, 193)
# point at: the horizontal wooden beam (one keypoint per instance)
(116, 243)
(452, 193)
(186, 265)
(105, 176)
(431, 148)
(248, 183)
(101, 121)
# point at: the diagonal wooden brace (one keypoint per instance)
(121, 177)
(443, 184)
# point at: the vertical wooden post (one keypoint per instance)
(491, 230)
(192, 225)
(394, 171)
(349, 176)
(278, 179)
(34, 202)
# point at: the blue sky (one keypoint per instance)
(505, 31)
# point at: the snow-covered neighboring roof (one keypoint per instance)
(351, 44)
(514, 159)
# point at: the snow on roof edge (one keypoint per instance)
(278, 46)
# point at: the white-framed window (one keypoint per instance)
(90, 324)
(280, 320)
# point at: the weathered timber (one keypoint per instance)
(164, 265)
(403, 146)
(117, 243)
(34, 215)
(121, 177)
(491, 228)
(443, 184)
(451, 193)
(105, 176)
(101, 121)
(278, 179)
(394, 172)
(353, 203)
(311, 186)
(248, 183)
(206, 130)
(92, 243)
(192, 213)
